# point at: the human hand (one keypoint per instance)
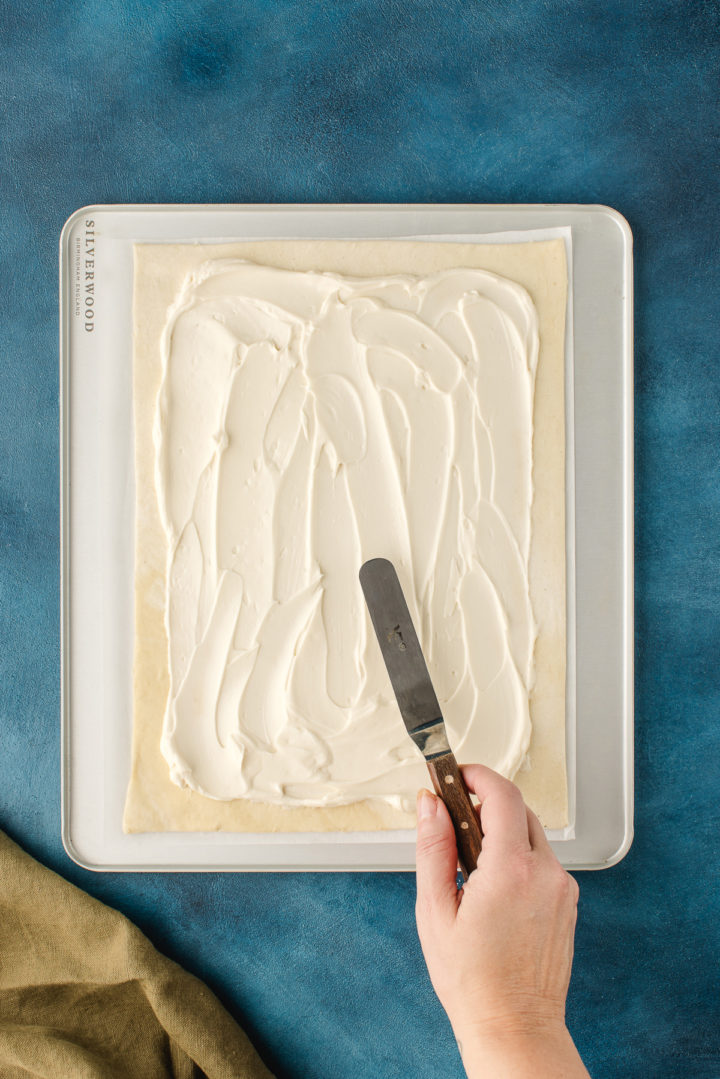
(499, 951)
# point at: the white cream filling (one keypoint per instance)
(307, 422)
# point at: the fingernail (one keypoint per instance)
(426, 804)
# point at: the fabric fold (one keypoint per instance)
(84, 993)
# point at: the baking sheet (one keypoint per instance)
(98, 508)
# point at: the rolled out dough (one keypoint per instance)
(154, 803)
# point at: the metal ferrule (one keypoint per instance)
(431, 739)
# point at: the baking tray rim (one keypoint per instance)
(626, 506)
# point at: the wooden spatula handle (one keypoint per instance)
(450, 786)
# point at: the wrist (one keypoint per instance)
(520, 1051)
(505, 1024)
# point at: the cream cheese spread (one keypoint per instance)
(305, 423)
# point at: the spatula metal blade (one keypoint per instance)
(403, 657)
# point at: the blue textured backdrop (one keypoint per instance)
(394, 100)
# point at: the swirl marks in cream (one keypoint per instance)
(307, 422)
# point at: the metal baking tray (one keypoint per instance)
(97, 509)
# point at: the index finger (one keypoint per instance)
(503, 814)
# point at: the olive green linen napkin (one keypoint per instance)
(84, 994)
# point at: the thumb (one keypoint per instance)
(436, 859)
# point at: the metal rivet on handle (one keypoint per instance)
(449, 779)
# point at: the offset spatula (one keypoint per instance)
(418, 703)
